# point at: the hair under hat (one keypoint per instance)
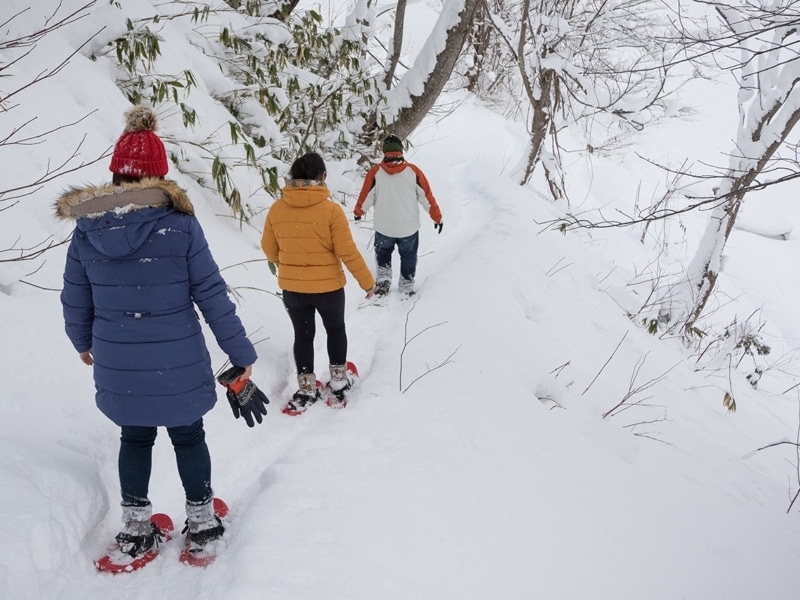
(392, 144)
(139, 152)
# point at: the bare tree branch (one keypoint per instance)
(605, 364)
(407, 341)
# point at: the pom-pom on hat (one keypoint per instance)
(392, 144)
(139, 152)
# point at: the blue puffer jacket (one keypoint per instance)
(137, 265)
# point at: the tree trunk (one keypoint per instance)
(541, 121)
(480, 37)
(397, 43)
(282, 14)
(706, 262)
(769, 108)
(410, 116)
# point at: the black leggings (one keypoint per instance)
(302, 309)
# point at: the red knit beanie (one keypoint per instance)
(139, 152)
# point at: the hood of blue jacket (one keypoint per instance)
(118, 235)
(125, 214)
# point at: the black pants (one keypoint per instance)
(302, 309)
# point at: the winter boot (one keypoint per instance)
(383, 280)
(202, 525)
(305, 396)
(382, 287)
(339, 384)
(139, 534)
(406, 286)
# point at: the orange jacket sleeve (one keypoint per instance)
(434, 211)
(369, 182)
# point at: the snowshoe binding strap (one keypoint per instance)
(136, 545)
(301, 401)
(198, 539)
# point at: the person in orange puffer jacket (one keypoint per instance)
(307, 236)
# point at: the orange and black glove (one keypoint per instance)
(245, 398)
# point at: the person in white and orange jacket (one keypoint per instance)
(395, 188)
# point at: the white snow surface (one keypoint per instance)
(473, 460)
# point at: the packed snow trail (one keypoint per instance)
(465, 486)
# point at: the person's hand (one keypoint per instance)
(243, 395)
(246, 374)
(86, 357)
(438, 226)
(370, 292)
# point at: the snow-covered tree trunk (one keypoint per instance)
(540, 83)
(769, 108)
(420, 86)
(397, 43)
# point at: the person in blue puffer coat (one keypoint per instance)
(137, 267)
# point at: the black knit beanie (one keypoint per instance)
(392, 144)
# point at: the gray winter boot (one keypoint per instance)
(382, 287)
(406, 286)
(202, 525)
(383, 281)
(134, 516)
(138, 534)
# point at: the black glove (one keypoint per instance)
(356, 218)
(438, 226)
(250, 402)
(245, 398)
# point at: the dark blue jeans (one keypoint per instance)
(302, 309)
(407, 247)
(136, 460)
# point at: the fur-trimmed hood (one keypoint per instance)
(93, 201)
(118, 219)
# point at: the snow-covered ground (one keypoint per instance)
(473, 461)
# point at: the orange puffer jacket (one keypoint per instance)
(308, 237)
